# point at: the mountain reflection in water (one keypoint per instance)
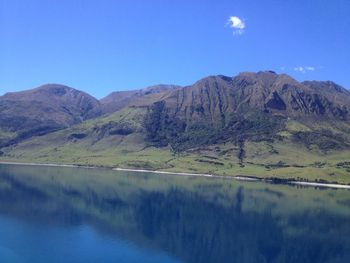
(96, 214)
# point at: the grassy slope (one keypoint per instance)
(282, 159)
(7, 135)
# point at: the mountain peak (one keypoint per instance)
(53, 86)
(43, 90)
(44, 109)
(55, 89)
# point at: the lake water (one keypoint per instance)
(52, 214)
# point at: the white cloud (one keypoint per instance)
(237, 24)
(304, 69)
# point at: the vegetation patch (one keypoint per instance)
(318, 164)
(324, 139)
(344, 165)
(163, 128)
(77, 136)
(280, 164)
(209, 162)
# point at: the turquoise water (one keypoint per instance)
(51, 214)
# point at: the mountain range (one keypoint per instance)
(262, 124)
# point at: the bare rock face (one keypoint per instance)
(249, 106)
(215, 97)
(44, 109)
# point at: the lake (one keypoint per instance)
(56, 214)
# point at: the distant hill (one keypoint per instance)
(42, 110)
(120, 99)
(262, 124)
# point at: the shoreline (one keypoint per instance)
(275, 180)
(342, 186)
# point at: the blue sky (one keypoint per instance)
(102, 46)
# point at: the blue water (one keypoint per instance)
(28, 242)
(50, 214)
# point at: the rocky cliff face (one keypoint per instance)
(263, 91)
(248, 106)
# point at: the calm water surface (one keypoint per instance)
(50, 214)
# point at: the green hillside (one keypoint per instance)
(118, 140)
(256, 124)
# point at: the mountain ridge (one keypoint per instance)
(252, 123)
(119, 99)
(42, 110)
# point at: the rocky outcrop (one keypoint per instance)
(248, 106)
